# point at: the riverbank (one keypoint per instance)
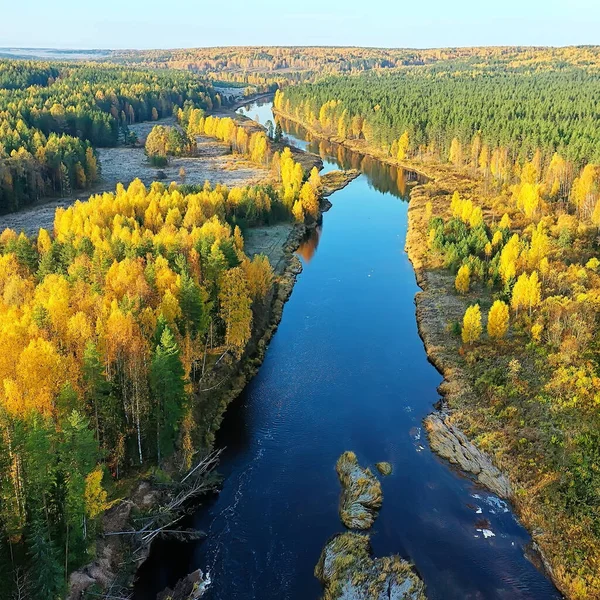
(225, 378)
(463, 431)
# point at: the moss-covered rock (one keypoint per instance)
(385, 468)
(348, 572)
(361, 493)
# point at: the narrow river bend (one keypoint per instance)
(346, 370)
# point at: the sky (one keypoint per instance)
(391, 23)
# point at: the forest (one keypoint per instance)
(511, 111)
(266, 68)
(111, 320)
(52, 118)
(106, 328)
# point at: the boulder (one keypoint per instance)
(385, 468)
(191, 587)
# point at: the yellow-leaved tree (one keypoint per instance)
(235, 301)
(315, 180)
(497, 325)
(455, 155)
(471, 329)
(526, 292)
(403, 144)
(298, 211)
(508, 258)
(462, 281)
(309, 200)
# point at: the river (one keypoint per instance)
(346, 370)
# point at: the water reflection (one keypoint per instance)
(383, 177)
(308, 246)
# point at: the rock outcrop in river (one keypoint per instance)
(348, 572)
(450, 443)
(191, 587)
(337, 180)
(361, 493)
(346, 568)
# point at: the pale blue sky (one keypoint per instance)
(391, 23)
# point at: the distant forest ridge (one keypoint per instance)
(324, 59)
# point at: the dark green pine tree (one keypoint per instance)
(52, 261)
(270, 129)
(167, 386)
(195, 314)
(78, 454)
(97, 394)
(278, 133)
(45, 571)
(26, 253)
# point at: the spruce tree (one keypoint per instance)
(167, 386)
(45, 567)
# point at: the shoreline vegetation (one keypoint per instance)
(462, 430)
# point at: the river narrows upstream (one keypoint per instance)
(346, 370)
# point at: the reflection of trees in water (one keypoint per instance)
(308, 246)
(383, 177)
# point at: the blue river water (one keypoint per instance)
(346, 370)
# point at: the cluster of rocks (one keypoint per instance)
(361, 496)
(348, 572)
(191, 587)
(346, 568)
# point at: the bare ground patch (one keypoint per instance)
(269, 240)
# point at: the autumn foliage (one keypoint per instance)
(106, 325)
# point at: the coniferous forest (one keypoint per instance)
(53, 116)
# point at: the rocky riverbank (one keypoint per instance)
(452, 444)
